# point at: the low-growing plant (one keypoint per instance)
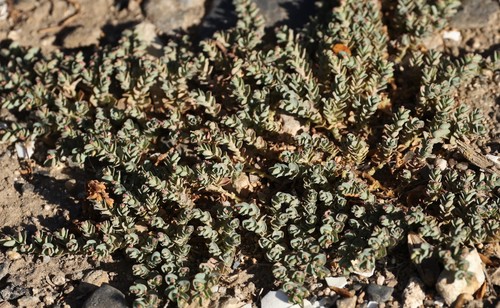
(296, 143)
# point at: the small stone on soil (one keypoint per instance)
(348, 302)
(379, 293)
(450, 288)
(105, 297)
(28, 301)
(275, 299)
(413, 294)
(338, 282)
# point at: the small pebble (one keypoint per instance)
(462, 166)
(58, 279)
(348, 302)
(380, 280)
(361, 297)
(441, 164)
(48, 300)
(96, 277)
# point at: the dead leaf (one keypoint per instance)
(97, 191)
(481, 292)
(487, 261)
(460, 301)
(341, 49)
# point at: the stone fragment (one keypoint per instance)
(58, 279)
(291, 125)
(49, 300)
(92, 280)
(450, 288)
(146, 32)
(105, 297)
(338, 282)
(169, 16)
(275, 299)
(475, 14)
(12, 292)
(6, 304)
(13, 255)
(241, 183)
(232, 303)
(96, 277)
(348, 302)
(453, 35)
(493, 158)
(28, 301)
(378, 293)
(413, 294)
(380, 280)
(4, 10)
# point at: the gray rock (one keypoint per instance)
(169, 16)
(221, 15)
(290, 12)
(475, 14)
(378, 293)
(348, 302)
(105, 297)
